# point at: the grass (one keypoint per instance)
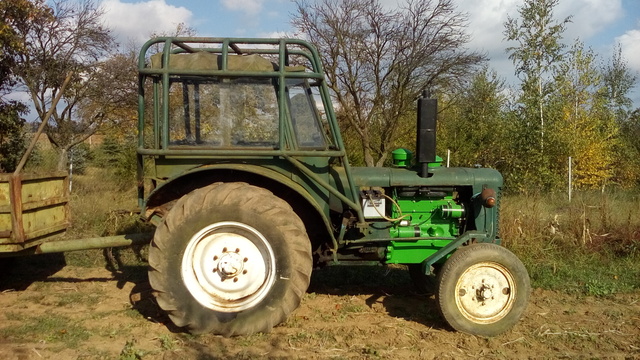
(101, 207)
(50, 328)
(589, 246)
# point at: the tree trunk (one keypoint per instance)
(63, 159)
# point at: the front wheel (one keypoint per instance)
(483, 289)
(230, 258)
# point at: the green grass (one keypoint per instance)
(130, 352)
(50, 328)
(100, 207)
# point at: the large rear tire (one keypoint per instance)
(231, 259)
(483, 289)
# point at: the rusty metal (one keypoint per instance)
(83, 244)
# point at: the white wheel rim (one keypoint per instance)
(485, 292)
(228, 266)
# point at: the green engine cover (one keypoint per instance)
(423, 213)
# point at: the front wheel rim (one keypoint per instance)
(485, 292)
(228, 266)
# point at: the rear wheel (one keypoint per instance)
(231, 259)
(483, 289)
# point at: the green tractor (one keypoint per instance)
(243, 170)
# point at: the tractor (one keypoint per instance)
(244, 172)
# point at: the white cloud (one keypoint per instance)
(630, 44)
(137, 21)
(588, 16)
(487, 18)
(247, 6)
(486, 22)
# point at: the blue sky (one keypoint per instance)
(600, 24)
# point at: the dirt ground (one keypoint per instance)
(51, 310)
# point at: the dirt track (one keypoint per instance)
(70, 312)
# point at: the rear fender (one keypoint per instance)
(163, 197)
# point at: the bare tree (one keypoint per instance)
(73, 39)
(378, 60)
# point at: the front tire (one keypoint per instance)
(483, 289)
(230, 258)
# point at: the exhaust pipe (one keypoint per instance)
(426, 133)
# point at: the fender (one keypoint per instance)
(162, 198)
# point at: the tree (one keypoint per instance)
(13, 15)
(12, 142)
(628, 153)
(586, 129)
(619, 81)
(473, 126)
(112, 95)
(536, 56)
(378, 60)
(71, 39)
(539, 49)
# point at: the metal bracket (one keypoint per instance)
(446, 250)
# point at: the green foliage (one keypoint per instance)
(12, 141)
(79, 156)
(627, 153)
(129, 352)
(537, 53)
(14, 14)
(472, 125)
(583, 127)
(42, 160)
(118, 155)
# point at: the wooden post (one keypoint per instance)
(15, 197)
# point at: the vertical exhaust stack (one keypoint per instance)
(426, 134)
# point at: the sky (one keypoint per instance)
(599, 24)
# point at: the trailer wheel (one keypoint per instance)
(230, 258)
(483, 289)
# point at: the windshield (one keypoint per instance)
(240, 112)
